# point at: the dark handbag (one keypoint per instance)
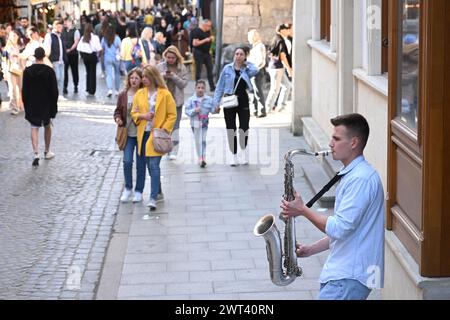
(162, 141)
(121, 137)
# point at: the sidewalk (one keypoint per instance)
(199, 244)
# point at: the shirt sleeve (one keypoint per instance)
(47, 43)
(351, 209)
(77, 35)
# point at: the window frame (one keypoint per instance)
(325, 20)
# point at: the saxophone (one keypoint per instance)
(267, 228)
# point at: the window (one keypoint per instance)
(325, 20)
(408, 62)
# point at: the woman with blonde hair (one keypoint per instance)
(12, 49)
(258, 57)
(122, 116)
(149, 47)
(153, 107)
(176, 76)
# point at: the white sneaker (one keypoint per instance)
(116, 93)
(152, 204)
(137, 197)
(244, 157)
(109, 94)
(62, 98)
(172, 156)
(234, 162)
(126, 195)
(49, 155)
(160, 197)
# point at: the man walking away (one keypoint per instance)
(40, 97)
(71, 36)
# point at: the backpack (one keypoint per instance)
(135, 53)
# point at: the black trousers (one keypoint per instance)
(243, 112)
(90, 62)
(202, 58)
(72, 62)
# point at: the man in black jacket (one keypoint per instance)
(40, 97)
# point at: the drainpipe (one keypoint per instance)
(219, 15)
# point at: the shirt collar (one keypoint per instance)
(352, 165)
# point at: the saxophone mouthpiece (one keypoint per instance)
(323, 153)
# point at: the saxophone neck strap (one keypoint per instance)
(325, 189)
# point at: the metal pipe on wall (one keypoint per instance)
(219, 27)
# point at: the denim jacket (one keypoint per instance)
(227, 77)
(207, 106)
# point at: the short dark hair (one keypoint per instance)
(200, 81)
(355, 124)
(39, 53)
(283, 26)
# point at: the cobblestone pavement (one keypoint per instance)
(56, 219)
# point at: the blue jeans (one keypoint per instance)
(128, 166)
(112, 68)
(345, 289)
(155, 176)
(58, 67)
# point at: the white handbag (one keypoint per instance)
(230, 101)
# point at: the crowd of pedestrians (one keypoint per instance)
(148, 49)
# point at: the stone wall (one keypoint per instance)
(242, 15)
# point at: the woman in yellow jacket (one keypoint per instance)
(153, 107)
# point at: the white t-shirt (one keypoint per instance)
(93, 45)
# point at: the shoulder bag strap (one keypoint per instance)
(237, 83)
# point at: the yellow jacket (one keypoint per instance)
(165, 116)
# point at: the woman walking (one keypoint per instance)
(89, 47)
(14, 78)
(235, 80)
(176, 76)
(130, 50)
(153, 107)
(122, 116)
(148, 46)
(111, 56)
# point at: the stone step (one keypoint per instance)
(317, 178)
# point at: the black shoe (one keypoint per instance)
(35, 162)
(255, 113)
(262, 115)
(65, 91)
(75, 90)
(203, 164)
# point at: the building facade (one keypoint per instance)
(240, 16)
(385, 60)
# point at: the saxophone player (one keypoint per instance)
(355, 232)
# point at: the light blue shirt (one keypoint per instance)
(111, 52)
(356, 230)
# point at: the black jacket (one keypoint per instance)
(39, 94)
